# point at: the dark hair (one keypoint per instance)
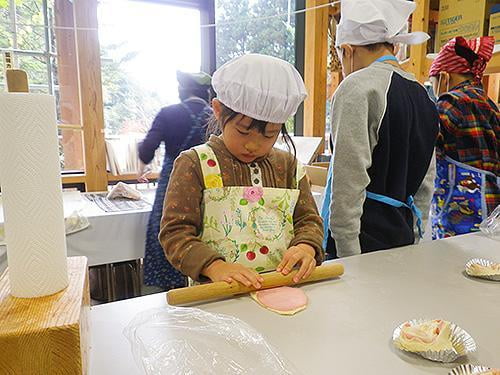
(377, 46)
(216, 127)
(186, 92)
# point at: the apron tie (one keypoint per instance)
(410, 204)
(325, 208)
(416, 211)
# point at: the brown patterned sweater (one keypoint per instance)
(182, 219)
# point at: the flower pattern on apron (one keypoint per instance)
(251, 225)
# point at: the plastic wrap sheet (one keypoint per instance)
(491, 225)
(181, 341)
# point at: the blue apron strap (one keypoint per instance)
(387, 58)
(418, 214)
(325, 208)
(410, 204)
(387, 200)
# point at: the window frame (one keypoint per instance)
(47, 53)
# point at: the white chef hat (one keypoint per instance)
(364, 22)
(262, 87)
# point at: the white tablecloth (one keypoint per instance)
(111, 237)
(348, 325)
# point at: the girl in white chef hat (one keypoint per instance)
(236, 206)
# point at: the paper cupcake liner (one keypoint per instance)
(468, 370)
(482, 262)
(462, 342)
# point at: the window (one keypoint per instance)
(28, 36)
(24, 33)
(143, 44)
(236, 35)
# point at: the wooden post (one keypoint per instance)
(315, 62)
(69, 98)
(335, 80)
(494, 64)
(492, 86)
(418, 53)
(334, 76)
(92, 111)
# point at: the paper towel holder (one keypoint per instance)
(58, 323)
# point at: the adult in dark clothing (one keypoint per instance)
(180, 127)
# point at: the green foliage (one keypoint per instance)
(127, 106)
(28, 12)
(273, 36)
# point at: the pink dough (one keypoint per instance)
(283, 300)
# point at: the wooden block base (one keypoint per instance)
(46, 335)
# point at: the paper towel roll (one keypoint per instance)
(32, 195)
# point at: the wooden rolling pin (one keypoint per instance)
(221, 289)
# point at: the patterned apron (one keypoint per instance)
(251, 225)
(157, 270)
(459, 201)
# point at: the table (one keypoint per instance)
(307, 148)
(112, 236)
(348, 325)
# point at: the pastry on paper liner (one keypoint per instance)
(436, 340)
(483, 268)
(473, 370)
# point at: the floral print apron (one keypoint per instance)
(251, 225)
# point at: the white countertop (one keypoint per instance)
(348, 325)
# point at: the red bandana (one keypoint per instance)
(464, 56)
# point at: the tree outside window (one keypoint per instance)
(274, 36)
(27, 33)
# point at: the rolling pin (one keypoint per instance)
(221, 289)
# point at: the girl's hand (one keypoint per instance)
(228, 272)
(302, 254)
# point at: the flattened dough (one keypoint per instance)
(283, 300)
